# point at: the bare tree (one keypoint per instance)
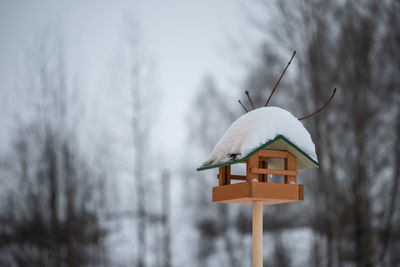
(389, 97)
(140, 84)
(52, 214)
(166, 219)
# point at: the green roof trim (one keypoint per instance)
(231, 162)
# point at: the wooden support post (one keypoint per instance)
(224, 175)
(228, 174)
(290, 165)
(221, 176)
(263, 165)
(252, 162)
(257, 234)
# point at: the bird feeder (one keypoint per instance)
(278, 156)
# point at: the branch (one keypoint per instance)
(280, 78)
(321, 108)
(240, 102)
(248, 96)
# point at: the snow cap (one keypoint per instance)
(255, 129)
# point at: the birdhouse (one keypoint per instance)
(268, 141)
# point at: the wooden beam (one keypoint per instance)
(274, 154)
(236, 177)
(221, 176)
(252, 162)
(227, 174)
(224, 175)
(269, 193)
(301, 192)
(273, 171)
(263, 165)
(290, 165)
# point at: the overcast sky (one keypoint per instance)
(186, 39)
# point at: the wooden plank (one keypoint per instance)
(230, 192)
(252, 162)
(224, 175)
(273, 154)
(273, 171)
(275, 191)
(221, 176)
(227, 174)
(301, 192)
(269, 193)
(250, 201)
(263, 177)
(290, 165)
(236, 177)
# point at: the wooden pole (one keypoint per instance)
(257, 234)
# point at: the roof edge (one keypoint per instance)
(231, 162)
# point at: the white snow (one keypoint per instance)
(257, 127)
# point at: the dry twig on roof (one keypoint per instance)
(321, 108)
(240, 102)
(280, 78)
(251, 102)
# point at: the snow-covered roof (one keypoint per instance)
(267, 127)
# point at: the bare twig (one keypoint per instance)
(251, 102)
(240, 102)
(280, 78)
(321, 108)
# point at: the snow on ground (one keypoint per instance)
(257, 127)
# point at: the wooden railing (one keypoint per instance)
(273, 171)
(257, 168)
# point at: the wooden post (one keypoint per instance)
(263, 164)
(257, 234)
(252, 162)
(290, 165)
(228, 174)
(221, 176)
(224, 175)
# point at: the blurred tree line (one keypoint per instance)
(351, 203)
(50, 214)
(61, 200)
